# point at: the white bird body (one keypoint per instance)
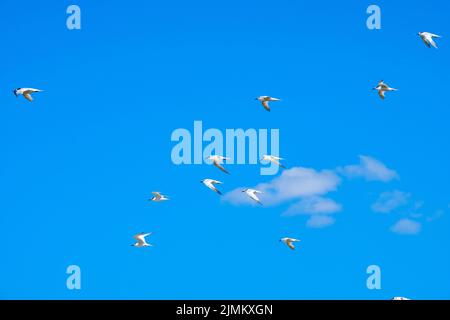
(289, 242)
(382, 88)
(26, 92)
(427, 38)
(217, 160)
(140, 240)
(252, 194)
(157, 197)
(265, 101)
(273, 159)
(400, 298)
(210, 183)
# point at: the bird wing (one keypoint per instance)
(290, 245)
(220, 167)
(381, 94)
(215, 189)
(27, 96)
(157, 195)
(139, 238)
(255, 197)
(278, 163)
(432, 42)
(425, 40)
(266, 105)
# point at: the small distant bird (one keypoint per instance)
(157, 196)
(427, 38)
(217, 161)
(273, 159)
(265, 101)
(382, 88)
(252, 194)
(140, 238)
(400, 298)
(210, 184)
(289, 242)
(26, 92)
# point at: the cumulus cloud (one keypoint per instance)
(370, 169)
(390, 200)
(320, 221)
(305, 190)
(302, 188)
(293, 184)
(406, 227)
(313, 206)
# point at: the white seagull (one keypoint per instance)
(252, 194)
(26, 92)
(289, 242)
(427, 38)
(400, 298)
(210, 184)
(157, 197)
(265, 101)
(273, 159)
(217, 161)
(382, 88)
(140, 238)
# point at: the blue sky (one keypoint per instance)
(81, 160)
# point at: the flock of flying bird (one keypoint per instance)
(217, 160)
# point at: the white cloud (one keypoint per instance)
(320, 221)
(304, 191)
(390, 200)
(313, 206)
(370, 169)
(300, 187)
(407, 227)
(293, 184)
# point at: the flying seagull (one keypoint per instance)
(382, 88)
(210, 183)
(26, 92)
(273, 159)
(217, 161)
(157, 197)
(265, 101)
(289, 242)
(140, 238)
(400, 298)
(252, 194)
(427, 38)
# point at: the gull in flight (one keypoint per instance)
(157, 197)
(400, 298)
(273, 159)
(210, 183)
(252, 194)
(26, 92)
(382, 88)
(217, 161)
(289, 242)
(427, 38)
(140, 240)
(265, 101)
